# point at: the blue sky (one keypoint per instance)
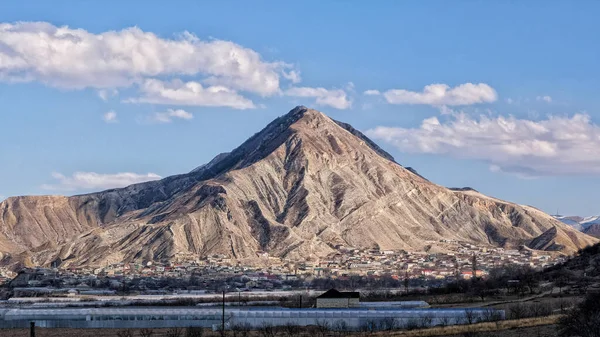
(499, 96)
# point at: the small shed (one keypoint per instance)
(338, 299)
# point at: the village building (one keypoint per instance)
(338, 299)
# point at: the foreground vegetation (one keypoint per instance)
(499, 328)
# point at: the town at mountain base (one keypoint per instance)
(300, 189)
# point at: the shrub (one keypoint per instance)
(125, 333)
(146, 332)
(340, 327)
(387, 324)
(491, 315)
(175, 332)
(470, 316)
(518, 311)
(291, 329)
(444, 321)
(194, 332)
(412, 324)
(241, 330)
(540, 310)
(267, 330)
(323, 327)
(583, 321)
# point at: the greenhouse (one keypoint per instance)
(162, 317)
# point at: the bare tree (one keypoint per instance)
(565, 305)
(540, 310)
(125, 333)
(291, 329)
(411, 324)
(241, 330)
(146, 332)
(387, 324)
(425, 321)
(470, 316)
(267, 330)
(517, 311)
(194, 332)
(444, 321)
(491, 315)
(175, 332)
(340, 327)
(368, 327)
(323, 328)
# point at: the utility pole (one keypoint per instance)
(223, 316)
(406, 280)
(456, 269)
(32, 329)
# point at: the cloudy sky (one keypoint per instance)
(501, 97)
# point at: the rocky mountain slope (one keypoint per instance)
(593, 230)
(296, 189)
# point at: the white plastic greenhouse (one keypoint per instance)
(156, 317)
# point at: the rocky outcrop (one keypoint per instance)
(296, 189)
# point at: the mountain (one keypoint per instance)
(593, 230)
(297, 189)
(589, 225)
(573, 221)
(589, 221)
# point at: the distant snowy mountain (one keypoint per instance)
(589, 221)
(589, 225)
(573, 221)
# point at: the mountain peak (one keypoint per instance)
(301, 111)
(295, 115)
(278, 132)
(300, 186)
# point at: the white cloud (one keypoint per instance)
(105, 94)
(75, 58)
(189, 93)
(170, 114)
(521, 172)
(372, 92)
(336, 98)
(443, 94)
(110, 117)
(293, 75)
(554, 146)
(510, 100)
(93, 181)
(445, 110)
(546, 99)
